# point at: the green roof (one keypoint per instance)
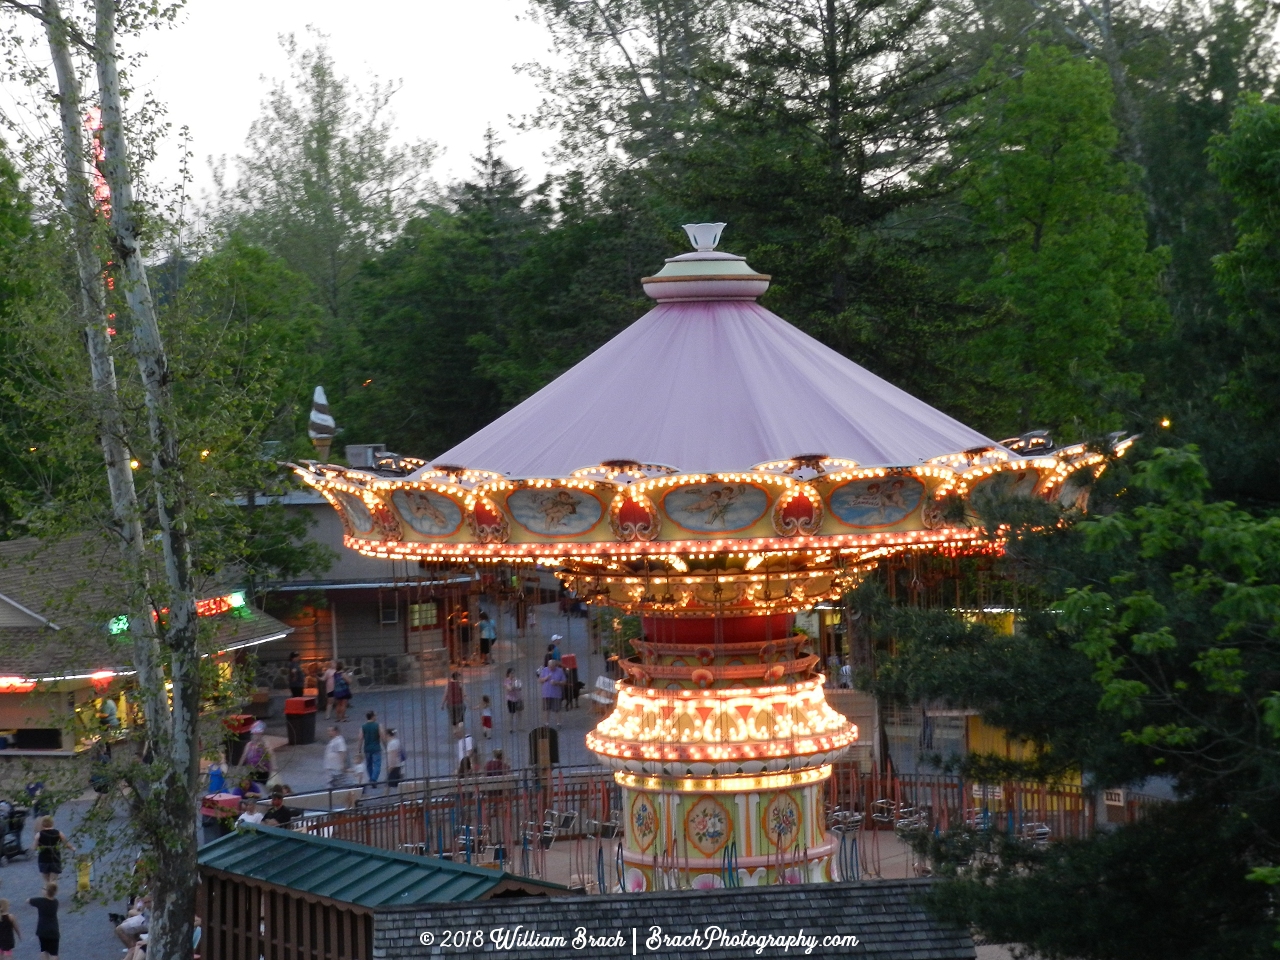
(352, 873)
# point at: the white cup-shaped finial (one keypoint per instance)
(704, 236)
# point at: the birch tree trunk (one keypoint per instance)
(77, 199)
(175, 746)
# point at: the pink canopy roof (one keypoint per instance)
(712, 386)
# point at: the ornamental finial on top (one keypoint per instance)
(704, 236)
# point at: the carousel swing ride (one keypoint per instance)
(715, 471)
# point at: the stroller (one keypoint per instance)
(12, 820)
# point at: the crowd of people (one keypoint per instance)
(376, 755)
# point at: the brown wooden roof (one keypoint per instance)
(67, 592)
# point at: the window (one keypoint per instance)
(423, 616)
(389, 611)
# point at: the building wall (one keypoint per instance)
(372, 649)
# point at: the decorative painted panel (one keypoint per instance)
(881, 502)
(557, 512)
(429, 513)
(716, 507)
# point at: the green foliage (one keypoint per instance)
(1184, 644)
(443, 282)
(1148, 644)
(1172, 885)
(628, 77)
(18, 238)
(1066, 224)
(484, 299)
(322, 185)
(1247, 161)
(818, 144)
(1192, 72)
(243, 334)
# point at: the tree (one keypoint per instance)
(1146, 646)
(322, 184)
(1171, 885)
(150, 416)
(445, 280)
(1189, 72)
(577, 284)
(630, 75)
(1247, 161)
(822, 126)
(20, 247)
(1071, 261)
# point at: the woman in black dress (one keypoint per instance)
(47, 922)
(49, 843)
(9, 931)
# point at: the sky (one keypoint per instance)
(456, 59)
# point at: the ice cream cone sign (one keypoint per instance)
(320, 425)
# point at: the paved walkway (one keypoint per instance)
(418, 716)
(87, 934)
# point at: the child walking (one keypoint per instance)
(47, 931)
(9, 931)
(486, 716)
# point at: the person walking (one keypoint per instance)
(514, 691)
(486, 717)
(47, 931)
(49, 843)
(324, 689)
(455, 702)
(372, 738)
(488, 634)
(257, 760)
(552, 678)
(335, 759)
(341, 694)
(395, 759)
(297, 679)
(9, 931)
(569, 663)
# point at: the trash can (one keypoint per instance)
(551, 737)
(300, 719)
(238, 725)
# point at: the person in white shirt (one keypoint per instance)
(249, 812)
(335, 758)
(395, 759)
